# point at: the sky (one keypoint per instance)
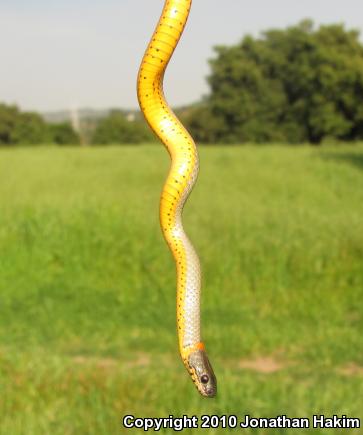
(70, 54)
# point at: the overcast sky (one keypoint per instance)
(85, 53)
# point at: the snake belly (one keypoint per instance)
(181, 179)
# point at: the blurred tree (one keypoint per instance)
(116, 129)
(294, 85)
(30, 129)
(8, 118)
(21, 127)
(205, 126)
(64, 134)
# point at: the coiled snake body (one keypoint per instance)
(180, 181)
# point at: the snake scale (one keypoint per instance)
(182, 176)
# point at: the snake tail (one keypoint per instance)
(180, 181)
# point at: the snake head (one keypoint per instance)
(202, 373)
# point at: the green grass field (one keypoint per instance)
(87, 319)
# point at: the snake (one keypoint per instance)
(182, 176)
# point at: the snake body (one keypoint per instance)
(182, 176)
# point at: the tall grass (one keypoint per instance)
(87, 286)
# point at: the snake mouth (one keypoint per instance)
(208, 392)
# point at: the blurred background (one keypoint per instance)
(272, 92)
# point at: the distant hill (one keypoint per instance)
(85, 114)
(88, 114)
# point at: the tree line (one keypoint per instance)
(29, 128)
(300, 84)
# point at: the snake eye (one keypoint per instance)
(204, 379)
